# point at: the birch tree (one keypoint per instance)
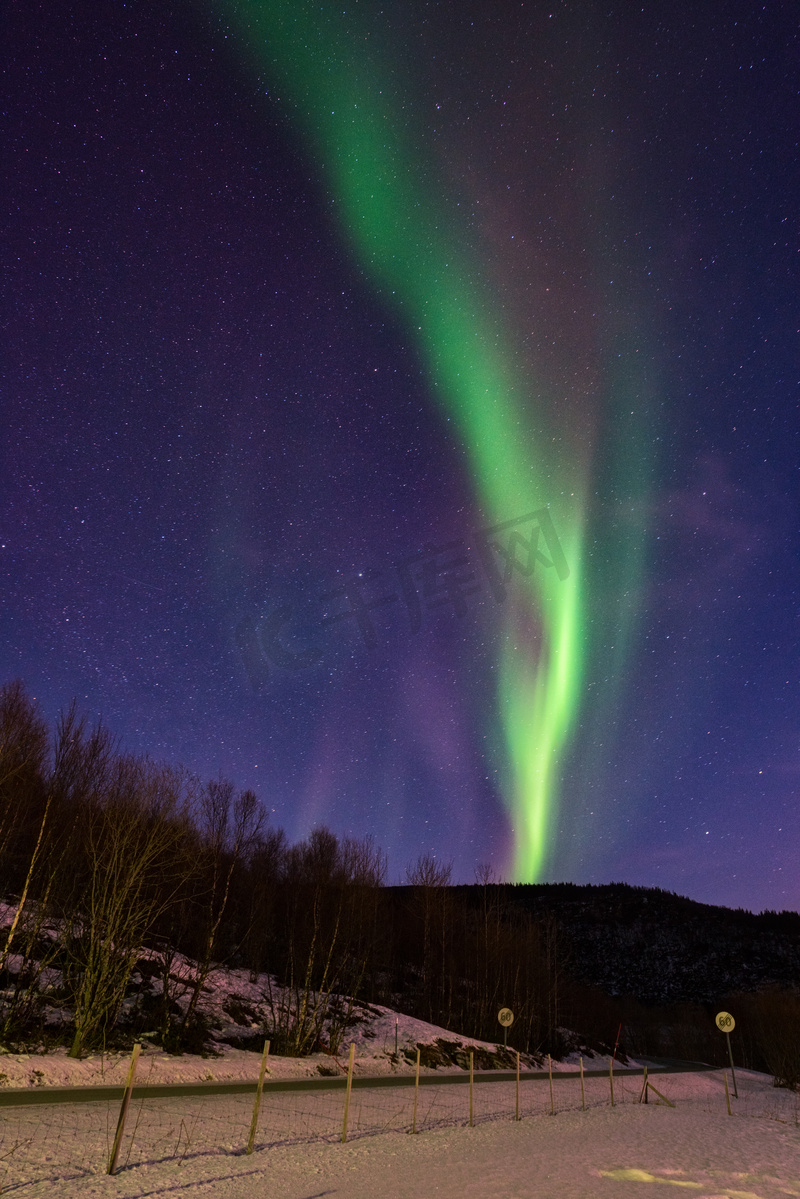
(133, 832)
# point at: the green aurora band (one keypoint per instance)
(420, 263)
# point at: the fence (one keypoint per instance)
(41, 1142)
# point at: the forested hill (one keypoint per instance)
(658, 946)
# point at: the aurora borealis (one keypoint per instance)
(302, 300)
(412, 251)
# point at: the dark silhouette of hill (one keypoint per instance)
(658, 946)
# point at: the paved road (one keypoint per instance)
(18, 1096)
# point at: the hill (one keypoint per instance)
(658, 946)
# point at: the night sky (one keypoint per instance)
(400, 417)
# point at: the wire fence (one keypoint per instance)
(62, 1141)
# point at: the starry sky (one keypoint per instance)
(400, 417)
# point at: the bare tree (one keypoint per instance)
(430, 879)
(81, 758)
(231, 825)
(330, 928)
(261, 883)
(775, 1014)
(23, 753)
(133, 831)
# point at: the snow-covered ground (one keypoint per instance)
(195, 1148)
(236, 1008)
(373, 1058)
(386, 1043)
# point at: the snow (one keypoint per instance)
(194, 1146)
(601, 1152)
(237, 1007)
(375, 1030)
(374, 1057)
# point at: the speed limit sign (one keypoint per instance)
(505, 1017)
(726, 1023)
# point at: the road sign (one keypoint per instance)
(726, 1023)
(505, 1017)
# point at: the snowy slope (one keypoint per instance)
(235, 1008)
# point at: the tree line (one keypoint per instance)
(105, 855)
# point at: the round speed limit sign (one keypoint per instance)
(724, 1022)
(505, 1017)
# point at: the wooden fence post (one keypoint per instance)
(347, 1092)
(123, 1111)
(516, 1116)
(583, 1094)
(668, 1102)
(645, 1084)
(471, 1080)
(416, 1094)
(550, 1073)
(257, 1104)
